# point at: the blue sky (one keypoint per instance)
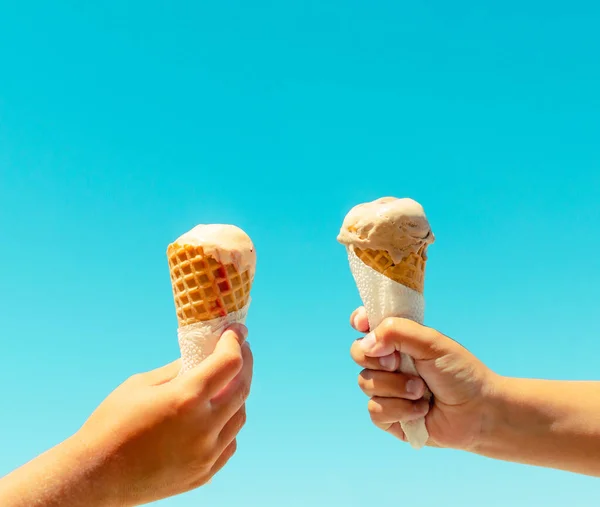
(124, 124)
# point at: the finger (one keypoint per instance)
(220, 367)
(229, 400)
(391, 385)
(232, 428)
(397, 431)
(224, 458)
(390, 362)
(391, 410)
(404, 336)
(359, 320)
(163, 374)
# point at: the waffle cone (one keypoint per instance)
(409, 272)
(204, 288)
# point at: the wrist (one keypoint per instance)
(521, 421)
(496, 420)
(98, 485)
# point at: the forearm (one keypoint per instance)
(545, 423)
(66, 475)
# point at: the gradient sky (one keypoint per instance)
(124, 124)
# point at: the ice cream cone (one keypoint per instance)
(204, 288)
(410, 271)
(212, 270)
(387, 242)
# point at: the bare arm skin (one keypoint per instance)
(546, 423)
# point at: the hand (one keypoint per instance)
(460, 383)
(159, 435)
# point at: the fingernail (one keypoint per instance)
(239, 328)
(367, 343)
(355, 321)
(362, 314)
(388, 362)
(421, 407)
(414, 386)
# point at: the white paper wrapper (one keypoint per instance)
(197, 341)
(382, 298)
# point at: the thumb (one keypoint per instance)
(404, 336)
(163, 374)
(220, 367)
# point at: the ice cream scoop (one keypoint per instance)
(398, 227)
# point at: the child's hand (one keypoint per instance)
(460, 383)
(158, 434)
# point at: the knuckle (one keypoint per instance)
(230, 451)
(206, 454)
(388, 328)
(374, 408)
(135, 379)
(241, 419)
(244, 391)
(185, 400)
(202, 462)
(232, 361)
(364, 380)
(238, 399)
(355, 352)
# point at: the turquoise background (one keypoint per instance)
(123, 124)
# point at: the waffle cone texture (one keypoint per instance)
(204, 288)
(409, 272)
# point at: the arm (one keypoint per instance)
(64, 475)
(157, 435)
(545, 423)
(554, 424)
